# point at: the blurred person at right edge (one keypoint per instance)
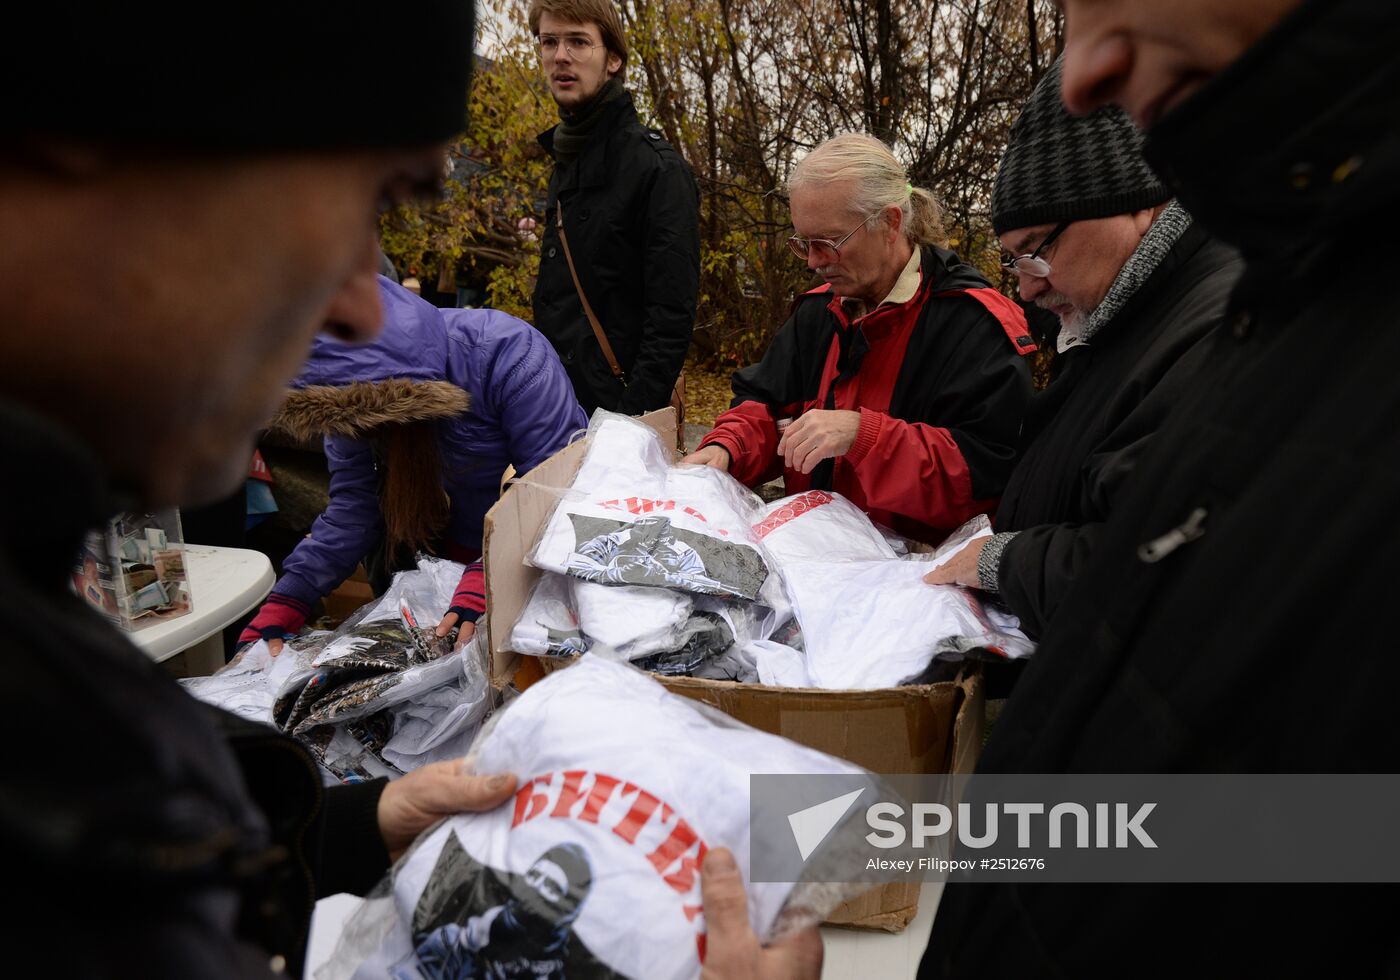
(1215, 630)
(1094, 237)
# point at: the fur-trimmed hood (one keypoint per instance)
(522, 411)
(353, 389)
(358, 408)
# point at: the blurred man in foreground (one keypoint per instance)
(1214, 629)
(214, 230)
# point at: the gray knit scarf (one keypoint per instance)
(571, 135)
(1170, 225)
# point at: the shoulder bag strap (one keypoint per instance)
(587, 309)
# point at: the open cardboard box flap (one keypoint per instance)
(929, 728)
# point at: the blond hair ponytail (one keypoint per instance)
(880, 182)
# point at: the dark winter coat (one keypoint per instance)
(631, 213)
(147, 835)
(941, 383)
(1262, 638)
(1085, 433)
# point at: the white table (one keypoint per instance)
(225, 584)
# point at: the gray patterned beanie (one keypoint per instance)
(1058, 167)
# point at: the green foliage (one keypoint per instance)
(500, 175)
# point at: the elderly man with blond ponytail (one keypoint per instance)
(901, 381)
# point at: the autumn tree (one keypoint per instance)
(743, 88)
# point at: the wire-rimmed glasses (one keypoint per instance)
(575, 45)
(802, 247)
(1032, 264)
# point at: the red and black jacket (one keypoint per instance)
(941, 383)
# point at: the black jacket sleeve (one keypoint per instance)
(1040, 565)
(671, 282)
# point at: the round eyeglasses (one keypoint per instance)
(575, 45)
(803, 247)
(1032, 264)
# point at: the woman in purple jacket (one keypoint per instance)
(419, 427)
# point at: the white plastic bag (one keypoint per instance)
(877, 624)
(592, 870)
(819, 526)
(631, 518)
(548, 625)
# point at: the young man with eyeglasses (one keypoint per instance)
(1092, 235)
(899, 383)
(630, 215)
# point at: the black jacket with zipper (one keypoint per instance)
(149, 835)
(1257, 638)
(1085, 433)
(631, 214)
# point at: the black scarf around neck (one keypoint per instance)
(573, 133)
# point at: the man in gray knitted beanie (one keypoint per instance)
(1092, 235)
(1076, 188)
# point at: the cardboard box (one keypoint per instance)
(349, 596)
(931, 728)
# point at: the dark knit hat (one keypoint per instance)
(1058, 167)
(247, 76)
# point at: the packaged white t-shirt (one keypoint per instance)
(548, 625)
(592, 869)
(631, 518)
(819, 526)
(632, 620)
(872, 624)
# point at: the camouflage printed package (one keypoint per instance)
(378, 696)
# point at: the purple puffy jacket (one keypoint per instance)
(523, 410)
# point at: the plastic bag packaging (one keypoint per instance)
(548, 625)
(424, 592)
(631, 518)
(706, 636)
(661, 630)
(634, 621)
(734, 663)
(819, 526)
(733, 625)
(977, 527)
(779, 665)
(593, 869)
(624, 457)
(885, 624)
(440, 721)
(240, 686)
(901, 545)
(379, 695)
(250, 683)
